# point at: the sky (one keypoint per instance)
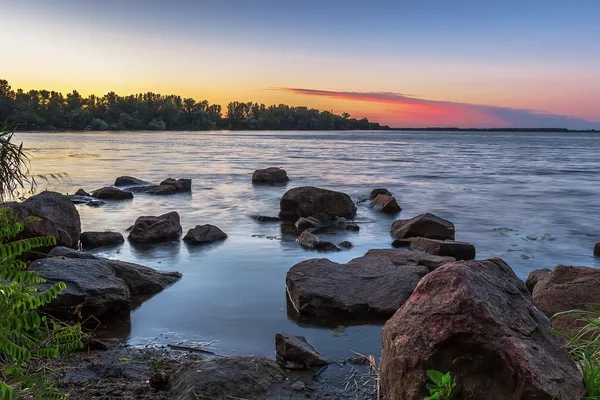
(404, 63)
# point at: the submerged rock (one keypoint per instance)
(297, 349)
(477, 320)
(371, 286)
(265, 218)
(536, 276)
(95, 203)
(58, 217)
(149, 229)
(112, 193)
(270, 175)
(161, 189)
(346, 244)
(307, 200)
(386, 204)
(203, 234)
(567, 288)
(180, 185)
(130, 181)
(311, 241)
(451, 248)
(378, 191)
(90, 240)
(424, 225)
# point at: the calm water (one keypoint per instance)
(532, 199)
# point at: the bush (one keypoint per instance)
(98, 125)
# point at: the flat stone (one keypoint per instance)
(161, 189)
(450, 248)
(297, 349)
(401, 257)
(424, 225)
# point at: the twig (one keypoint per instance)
(320, 371)
(187, 348)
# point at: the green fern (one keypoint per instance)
(26, 335)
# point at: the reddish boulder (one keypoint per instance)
(150, 229)
(270, 175)
(535, 277)
(424, 225)
(308, 200)
(450, 248)
(597, 249)
(402, 257)
(477, 320)
(386, 204)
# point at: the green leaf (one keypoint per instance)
(435, 376)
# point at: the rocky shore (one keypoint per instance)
(440, 307)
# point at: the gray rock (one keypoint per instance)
(59, 218)
(181, 185)
(142, 280)
(346, 244)
(81, 192)
(424, 225)
(297, 349)
(149, 229)
(450, 248)
(386, 204)
(371, 286)
(270, 175)
(203, 234)
(307, 200)
(298, 386)
(125, 181)
(67, 252)
(477, 320)
(378, 191)
(402, 242)
(535, 277)
(90, 240)
(112, 193)
(161, 189)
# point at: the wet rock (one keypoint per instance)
(67, 252)
(343, 223)
(151, 229)
(203, 234)
(378, 191)
(386, 204)
(270, 175)
(366, 287)
(477, 320)
(181, 185)
(401, 257)
(226, 378)
(112, 193)
(424, 225)
(597, 249)
(357, 360)
(81, 192)
(567, 288)
(142, 280)
(161, 189)
(298, 386)
(402, 242)
(95, 203)
(90, 240)
(311, 241)
(307, 200)
(450, 248)
(130, 181)
(346, 244)
(297, 349)
(351, 226)
(59, 217)
(265, 218)
(77, 199)
(536, 276)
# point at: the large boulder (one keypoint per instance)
(270, 175)
(249, 377)
(597, 249)
(149, 229)
(296, 349)
(402, 257)
(564, 289)
(125, 181)
(450, 248)
(386, 204)
(424, 225)
(180, 185)
(112, 193)
(371, 286)
(204, 234)
(90, 240)
(536, 276)
(477, 320)
(59, 217)
(308, 200)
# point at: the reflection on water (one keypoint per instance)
(531, 199)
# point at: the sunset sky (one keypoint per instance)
(468, 63)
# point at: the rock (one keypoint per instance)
(112, 193)
(297, 349)
(424, 225)
(366, 287)
(307, 223)
(450, 248)
(247, 377)
(346, 244)
(402, 257)
(81, 192)
(142, 280)
(150, 229)
(161, 189)
(351, 226)
(536, 276)
(59, 218)
(181, 185)
(159, 381)
(130, 181)
(597, 249)
(477, 320)
(77, 199)
(95, 203)
(311, 241)
(386, 204)
(270, 175)
(298, 386)
(357, 360)
(265, 218)
(378, 191)
(90, 240)
(402, 242)
(67, 252)
(203, 234)
(307, 200)
(567, 288)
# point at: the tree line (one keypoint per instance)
(50, 110)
